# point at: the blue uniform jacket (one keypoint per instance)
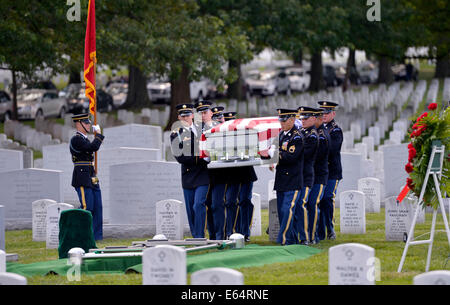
(321, 164)
(194, 170)
(310, 144)
(334, 156)
(289, 170)
(82, 151)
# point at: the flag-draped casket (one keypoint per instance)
(240, 142)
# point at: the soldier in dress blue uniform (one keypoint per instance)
(194, 172)
(217, 114)
(320, 177)
(246, 175)
(232, 192)
(310, 146)
(288, 175)
(84, 178)
(218, 183)
(327, 204)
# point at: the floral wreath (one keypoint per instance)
(427, 128)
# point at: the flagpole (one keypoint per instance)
(95, 115)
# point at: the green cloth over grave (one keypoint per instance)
(250, 256)
(75, 230)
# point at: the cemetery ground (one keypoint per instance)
(310, 271)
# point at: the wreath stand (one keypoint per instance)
(434, 169)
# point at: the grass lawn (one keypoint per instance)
(311, 271)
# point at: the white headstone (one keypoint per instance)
(133, 135)
(7, 278)
(217, 276)
(164, 265)
(39, 215)
(351, 172)
(351, 264)
(374, 132)
(437, 277)
(119, 155)
(169, 219)
(270, 191)
(10, 160)
(398, 219)
(138, 186)
(394, 159)
(52, 220)
(274, 223)
(22, 187)
(2, 227)
(352, 212)
(255, 229)
(371, 187)
(2, 261)
(264, 175)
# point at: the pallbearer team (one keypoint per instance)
(307, 174)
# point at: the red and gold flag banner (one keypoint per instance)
(90, 58)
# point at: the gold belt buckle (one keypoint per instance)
(94, 180)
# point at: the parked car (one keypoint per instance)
(32, 103)
(368, 72)
(6, 106)
(267, 83)
(198, 89)
(79, 103)
(401, 72)
(119, 92)
(330, 77)
(299, 78)
(159, 89)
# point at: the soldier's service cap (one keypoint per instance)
(327, 106)
(285, 114)
(229, 115)
(307, 112)
(83, 117)
(185, 109)
(203, 105)
(217, 110)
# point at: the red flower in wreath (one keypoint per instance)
(410, 146)
(419, 131)
(432, 106)
(409, 183)
(412, 154)
(423, 115)
(409, 168)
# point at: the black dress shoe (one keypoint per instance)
(303, 242)
(331, 236)
(247, 239)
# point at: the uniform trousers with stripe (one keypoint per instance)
(301, 215)
(326, 207)
(286, 205)
(195, 201)
(315, 196)
(91, 200)
(244, 218)
(218, 212)
(232, 207)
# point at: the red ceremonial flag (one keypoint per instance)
(90, 58)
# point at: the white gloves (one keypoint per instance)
(271, 151)
(96, 129)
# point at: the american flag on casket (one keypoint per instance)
(239, 142)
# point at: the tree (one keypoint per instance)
(312, 25)
(28, 39)
(432, 15)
